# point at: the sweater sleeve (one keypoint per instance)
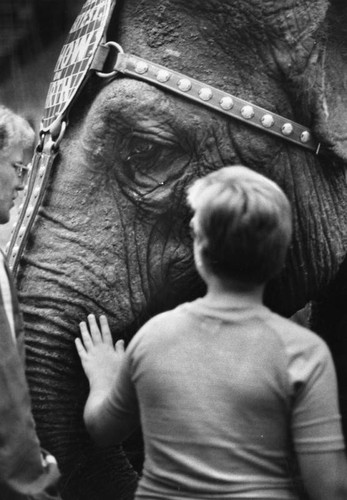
(119, 414)
(316, 420)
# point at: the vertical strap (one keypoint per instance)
(17, 315)
(7, 313)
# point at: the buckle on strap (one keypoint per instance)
(42, 163)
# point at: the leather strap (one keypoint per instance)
(84, 52)
(216, 99)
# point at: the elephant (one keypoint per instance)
(112, 234)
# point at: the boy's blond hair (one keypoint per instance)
(243, 221)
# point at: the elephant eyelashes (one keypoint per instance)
(145, 162)
(141, 162)
(140, 150)
(141, 146)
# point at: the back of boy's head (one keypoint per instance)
(243, 223)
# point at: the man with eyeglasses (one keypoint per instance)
(26, 471)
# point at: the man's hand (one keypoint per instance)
(99, 357)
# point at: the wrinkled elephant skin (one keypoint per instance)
(112, 236)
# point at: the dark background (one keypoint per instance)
(32, 33)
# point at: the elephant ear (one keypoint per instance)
(320, 87)
(331, 123)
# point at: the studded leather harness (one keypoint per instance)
(85, 52)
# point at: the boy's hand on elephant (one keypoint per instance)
(99, 357)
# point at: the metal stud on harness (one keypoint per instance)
(85, 52)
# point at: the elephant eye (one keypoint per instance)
(145, 162)
(139, 149)
(150, 159)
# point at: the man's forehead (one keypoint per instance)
(15, 152)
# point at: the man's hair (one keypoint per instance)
(14, 129)
(243, 222)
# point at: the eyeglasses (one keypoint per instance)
(22, 171)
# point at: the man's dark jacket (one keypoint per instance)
(23, 475)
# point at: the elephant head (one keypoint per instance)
(112, 235)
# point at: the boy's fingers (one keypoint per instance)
(87, 340)
(119, 346)
(94, 329)
(105, 329)
(80, 347)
